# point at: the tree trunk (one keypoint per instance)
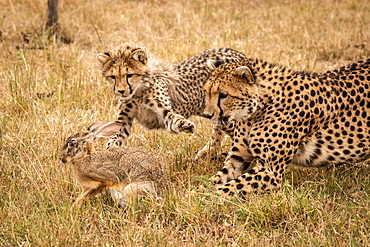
(52, 23)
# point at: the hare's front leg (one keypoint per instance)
(86, 193)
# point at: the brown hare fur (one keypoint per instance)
(124, 173)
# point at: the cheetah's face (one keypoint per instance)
(231, 93)
(125, 69)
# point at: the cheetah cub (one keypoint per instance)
(124, 173)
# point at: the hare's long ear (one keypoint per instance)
(95, 126)
(245, 73)
(103, 57)
(140, 56)
(102, 129)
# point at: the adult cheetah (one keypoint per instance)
(285, 117)
(160, 95)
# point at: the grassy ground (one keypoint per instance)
(49, 90)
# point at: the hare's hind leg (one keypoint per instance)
(131, 192)
(118, 197)
(139, 188)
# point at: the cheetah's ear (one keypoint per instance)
(103, 57)
(245, 73)
(140, 56)
(213, 64)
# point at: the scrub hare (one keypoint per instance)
(124, 173)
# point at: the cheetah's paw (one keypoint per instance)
(186, 126)
(219, 179)
(115, 141)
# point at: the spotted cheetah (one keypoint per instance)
(159, 95)
(284, 117)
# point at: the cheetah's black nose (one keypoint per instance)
(209, 116)
(121, 91)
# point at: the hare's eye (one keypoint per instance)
(72, 143)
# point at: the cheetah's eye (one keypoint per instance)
(223, 95)
(112, 77)
(129, 76)
(72, 143)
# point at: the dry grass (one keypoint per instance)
(50, 89)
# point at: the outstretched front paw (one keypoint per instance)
(186, 126)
